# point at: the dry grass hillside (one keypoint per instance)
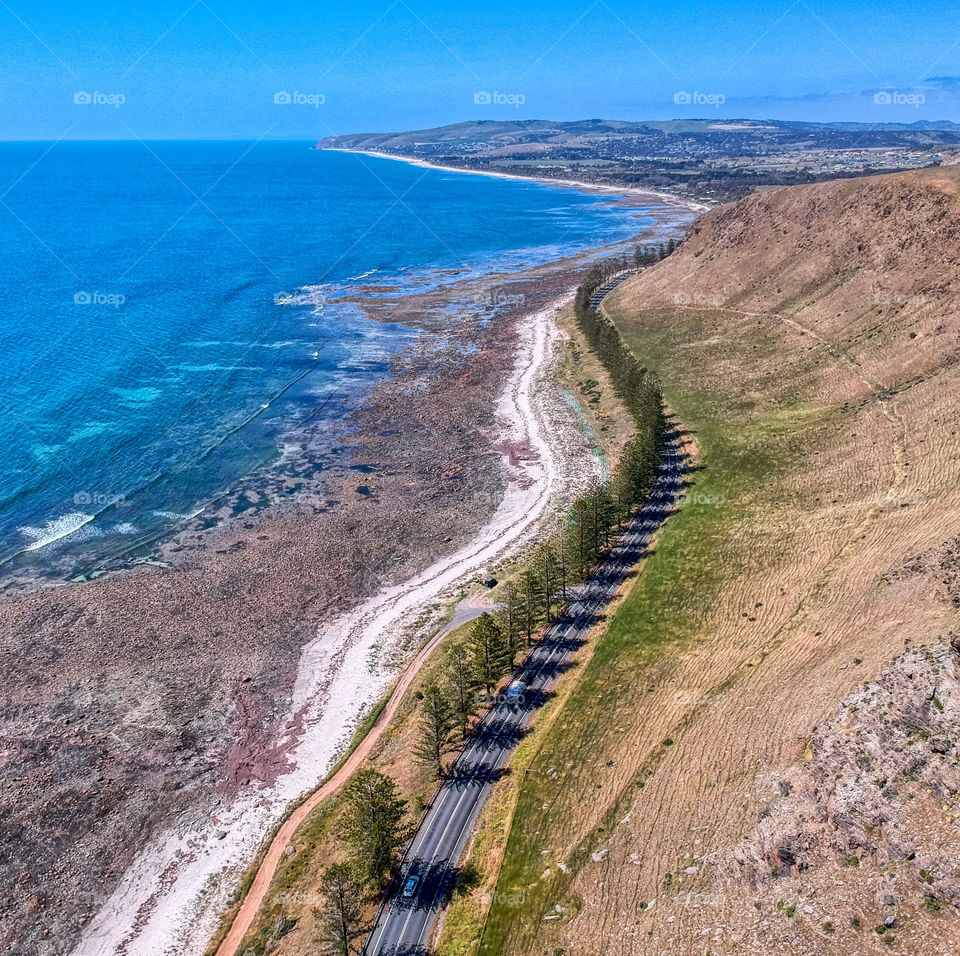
(761, 756)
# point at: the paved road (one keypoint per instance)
(607, 288)
(403, 926)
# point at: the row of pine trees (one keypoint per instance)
(539, 590)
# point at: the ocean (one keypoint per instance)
(155, 341)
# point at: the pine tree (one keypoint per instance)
(462, 686)
(546, 562)
(560, 548)
(530, 591)
(339, 913)
(511, 617)
(580, 517)
(488, 651)
(372, 825)
(436, 725)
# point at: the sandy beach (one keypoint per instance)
(632, 191)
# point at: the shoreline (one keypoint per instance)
(211, 715)
(185, 913)
(154, 547)
(498, 540)
(635, 191)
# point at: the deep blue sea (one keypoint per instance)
(146, 366)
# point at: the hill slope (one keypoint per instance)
(762, 751)
(735, 137)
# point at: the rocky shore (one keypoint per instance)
(150, 700)
(138, 701)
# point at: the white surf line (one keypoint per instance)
(172, 896)
(667, 199)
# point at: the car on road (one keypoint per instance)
(515, 692)
(410, 887)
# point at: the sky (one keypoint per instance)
(208, 69)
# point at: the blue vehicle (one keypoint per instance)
(515, 692)
(410, 887)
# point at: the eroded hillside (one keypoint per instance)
(753, 759)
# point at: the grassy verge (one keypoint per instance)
(606, 421)
(587, 772)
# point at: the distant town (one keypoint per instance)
(706, 160)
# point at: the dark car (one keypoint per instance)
(410, 887)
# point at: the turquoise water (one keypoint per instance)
(148, 362)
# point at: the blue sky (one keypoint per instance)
(207, 69)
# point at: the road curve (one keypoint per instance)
(403, 925)
(608, 287)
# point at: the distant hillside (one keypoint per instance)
(734, 135)
(712, 159)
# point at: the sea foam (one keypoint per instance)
(56, 529)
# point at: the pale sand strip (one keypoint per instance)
(171, 898)
(633, 191)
